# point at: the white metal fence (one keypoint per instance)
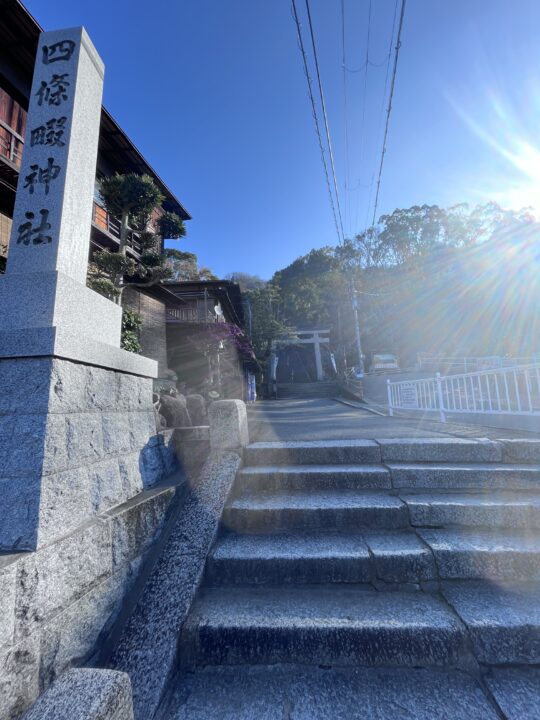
(459, 364)
(504, 391)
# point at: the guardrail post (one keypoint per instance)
(440, 396)
(388, 390)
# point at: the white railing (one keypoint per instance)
(504, 391)
(454, 364)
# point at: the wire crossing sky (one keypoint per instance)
(213, 93)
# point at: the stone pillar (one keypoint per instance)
(76, 421)
(228, 425)
(318, 359)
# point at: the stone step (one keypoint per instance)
(275, 692)
(313, 625)
(286, 559)
(312, 477)
(315, 452)
(465, 476)
(441, 449)
(390, 557)
(491, 555)
(307, 390)
(490, 509)
(523, 451)
(503, 621)
(314, 510)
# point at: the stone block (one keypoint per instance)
(73, 636)
(57, 575)
(135, 524)
(116, 429)
(521, 450)
(142, 430)
(24, 385)
(63, 303)
(19, 514)
(495, 555)
(228, 425)
(73, 346)
(86, 694)
(19, 678)
(517, 692)
(84, 438)
(134, 393)
(503, 622)
(131, 474)
(313, 693)
(401, 557)
(313, 452)
(8, 589)
(22, 445)
(105, 485)
(440, 449)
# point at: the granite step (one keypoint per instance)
(315, 452)
(495, 509)
(488, 554)
(314, 510)
(440, 450)
(503, 621)
(339, 624)
(451, 476)
(297, 692)
(312, 477)
(288, 559)
(380, 558)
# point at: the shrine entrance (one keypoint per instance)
(303, 357)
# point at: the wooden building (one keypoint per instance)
(19, 33)
(207, 346)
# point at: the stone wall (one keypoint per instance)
(153, 332)
(83, 498)
(100, 449)
(56, 604)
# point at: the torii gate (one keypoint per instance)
(303, 337)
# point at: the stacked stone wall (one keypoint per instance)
(82, 482)
(101, 447)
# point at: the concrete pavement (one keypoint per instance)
(327, 419)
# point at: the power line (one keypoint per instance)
(315, 117)
(398, 45)
(325, 117)
(345, 115)
(364, 102)
(386, 76)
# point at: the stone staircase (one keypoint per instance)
(371, 560)
(307, 391)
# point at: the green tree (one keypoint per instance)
(132, 199)
(183, 265)
(263, 319)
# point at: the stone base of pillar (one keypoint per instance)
(75, 440)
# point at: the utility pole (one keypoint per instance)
(354, 302)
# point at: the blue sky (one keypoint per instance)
(213, 94)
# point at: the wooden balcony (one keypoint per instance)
(11, 149)
(108, 231)
(198, 312)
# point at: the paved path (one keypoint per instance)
(326, 419)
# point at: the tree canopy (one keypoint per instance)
(460, 280)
